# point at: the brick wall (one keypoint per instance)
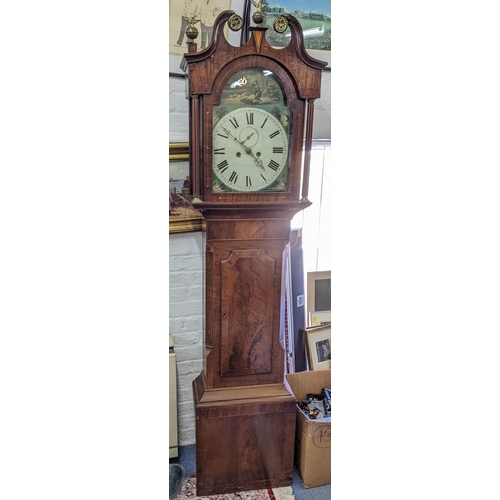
(186, 322)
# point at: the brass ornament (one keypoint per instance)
(258, 17)
(280, 24)
(235, 22)
(191, 30)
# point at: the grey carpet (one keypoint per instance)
(176, 475)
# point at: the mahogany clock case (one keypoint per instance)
(245, 416)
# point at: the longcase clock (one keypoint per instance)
(251, 112)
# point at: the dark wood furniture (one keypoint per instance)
(245, 417)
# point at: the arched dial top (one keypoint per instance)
(251, 134)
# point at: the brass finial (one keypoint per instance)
(191, 30)
(258, 16)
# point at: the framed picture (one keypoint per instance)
(182, 215)
(318, 294)
(318, 347)
(315, 18)
(205, 12)
(320, 318)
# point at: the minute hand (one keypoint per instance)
(248, 151)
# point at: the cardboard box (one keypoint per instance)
(312, 439)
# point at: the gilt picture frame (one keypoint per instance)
(183, 217)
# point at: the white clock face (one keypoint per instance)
(250, 151)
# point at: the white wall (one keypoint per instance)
(186, 322)
(178, 110)
(186, 264)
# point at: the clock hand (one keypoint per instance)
(248, 151)
(247, 138)
(258, 162)
(246, 148)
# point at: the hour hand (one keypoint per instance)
(248, 151)
(228, 132)
(247, 138)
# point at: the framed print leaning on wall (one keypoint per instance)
(183, 217)
(204, 12)
(318, 347)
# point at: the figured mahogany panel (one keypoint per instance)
(242, 447)
(248, 279)
(243, 298)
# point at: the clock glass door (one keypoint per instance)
(251, 135)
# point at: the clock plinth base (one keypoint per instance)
(244, 437)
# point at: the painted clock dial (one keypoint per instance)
(250, 149)
(251, 134)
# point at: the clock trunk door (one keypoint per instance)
(243, 313)
(248, 278)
